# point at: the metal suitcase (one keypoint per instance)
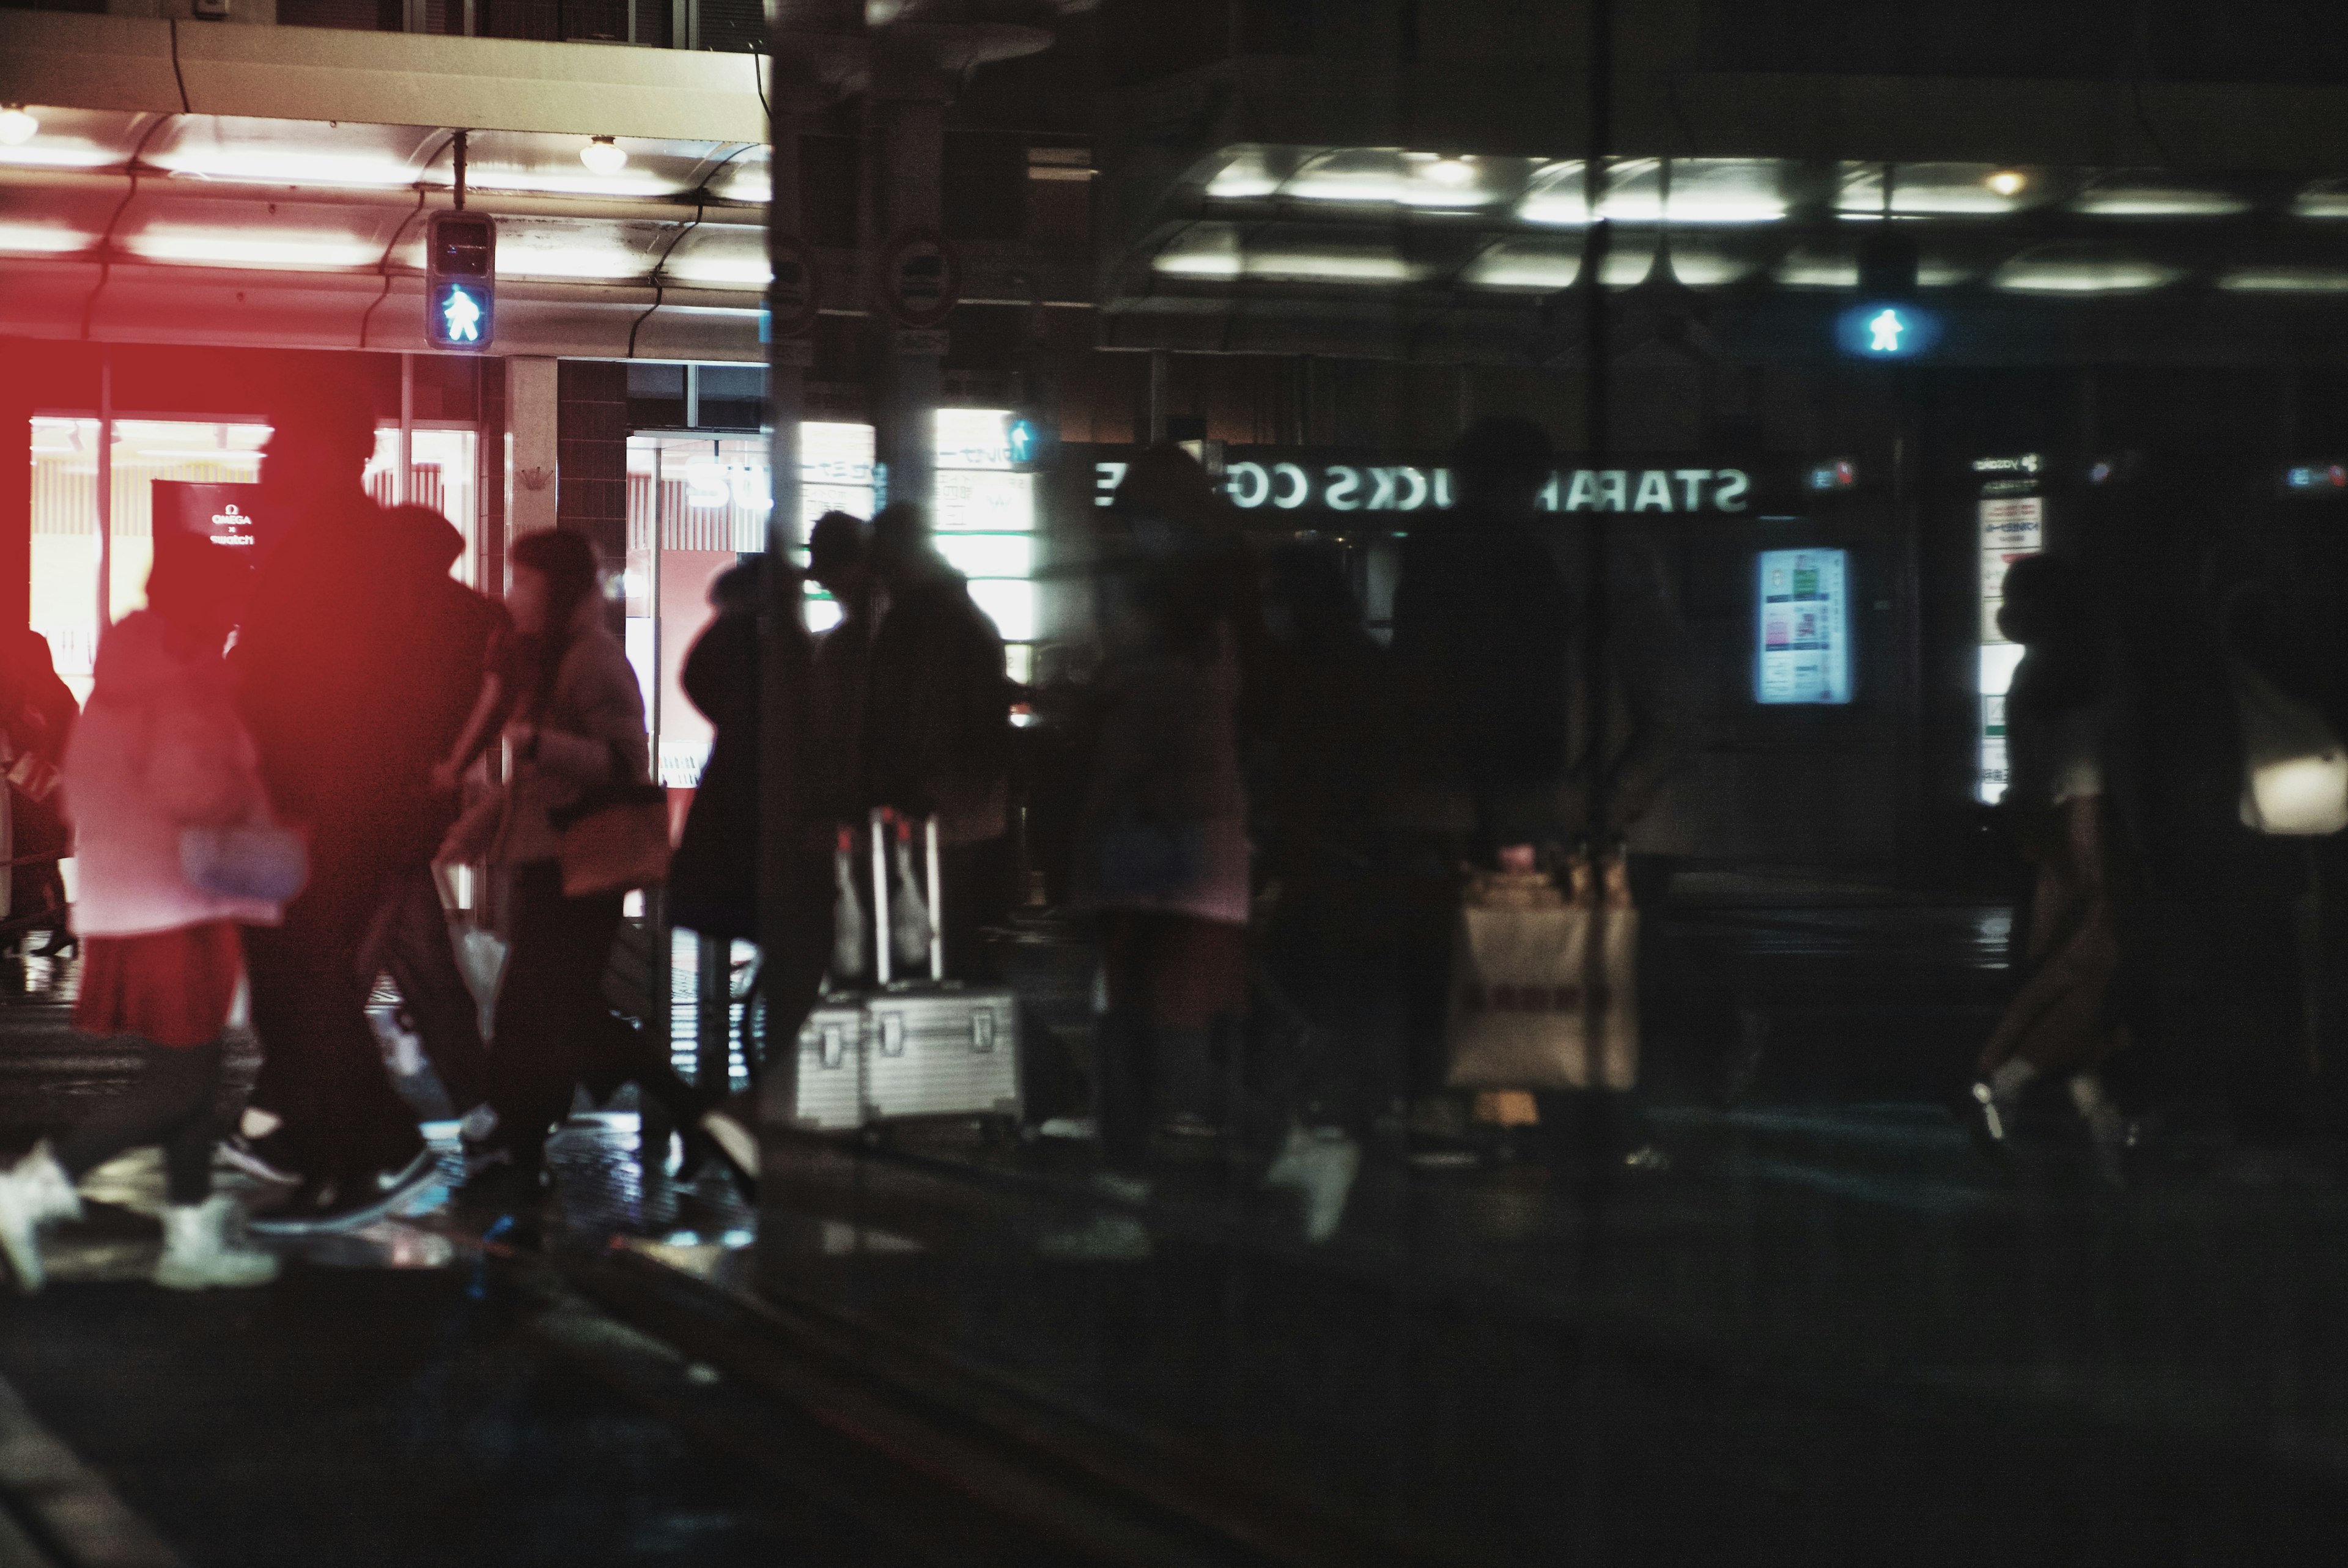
(823, 1089)
(934, 1046)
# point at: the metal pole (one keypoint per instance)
(1597, 555)
(1161, 373)
(404, 490)
(105, 491)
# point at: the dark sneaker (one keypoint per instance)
(329, 1206)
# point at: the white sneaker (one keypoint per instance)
(200, 1251)
(1319, 1165)
(37, 1193)
(737, 1141)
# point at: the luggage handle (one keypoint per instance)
(883, 818)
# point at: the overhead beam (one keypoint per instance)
(73, 61)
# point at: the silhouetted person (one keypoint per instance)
(1484, 631)
(1162, 845)
(713, 884)
(1320, 773)
(38, 711)
(323, 667)
(579, 728)
(2057, 723)
(451, 637)
(937, 729)
(161, 752)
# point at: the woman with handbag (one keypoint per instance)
(176, 850)
(583, 824)
(2061, 1022)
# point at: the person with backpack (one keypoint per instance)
(164, 789)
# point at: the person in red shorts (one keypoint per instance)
(160, 750)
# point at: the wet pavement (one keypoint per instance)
(1827, 1329)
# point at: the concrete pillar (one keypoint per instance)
(533, 465)
(15, 495)
(908, 159)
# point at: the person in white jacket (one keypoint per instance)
(160, 750)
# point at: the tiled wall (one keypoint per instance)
(592, 430)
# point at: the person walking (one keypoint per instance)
(937, 731)
(578, 729)
(323, 668)
(1162, 850)
(159, 754)
(2060, 1024)
(454, 632)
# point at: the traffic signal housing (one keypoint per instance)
(460, 309)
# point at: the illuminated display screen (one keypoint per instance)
(1803, 624)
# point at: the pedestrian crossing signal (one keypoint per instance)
(460, 281)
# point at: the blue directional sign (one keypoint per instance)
(1887, 330)
(460, 281)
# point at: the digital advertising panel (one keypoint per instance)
(1803, 624)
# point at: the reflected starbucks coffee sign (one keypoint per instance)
(1278, 483)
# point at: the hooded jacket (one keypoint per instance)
(159, 748)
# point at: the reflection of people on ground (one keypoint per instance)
(2056, 719)
(1162, 853)
(452, 634)
(713, 884)
(325, 679)
(578, 727)
(37, 713)
(161, 751)
(1322, 767)
(825, 790)
(1504, 751)
(937, 737)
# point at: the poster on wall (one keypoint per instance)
(1804, 625)
(2012, 527)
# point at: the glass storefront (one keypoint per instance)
(66, 554)
(706, 499)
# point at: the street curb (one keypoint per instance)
(55, 1511)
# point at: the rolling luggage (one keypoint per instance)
(905, 1049)
(934, 1047)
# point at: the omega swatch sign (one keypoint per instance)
(1255, 479)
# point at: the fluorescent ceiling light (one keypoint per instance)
(1704, 190)
(2324, 198)
(242, 247)
(277, 166)
(1928, 189)
(1331, 267)
(1389, 177)
(2159, 201)
(1809, 269)
(2083, 273)
(722, 271)
(590, 263)
(59, 152)
(41, 238)
(1525, 268)
(538, 183)
(2284, 281)
(1212, 250)
(1246, 176)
